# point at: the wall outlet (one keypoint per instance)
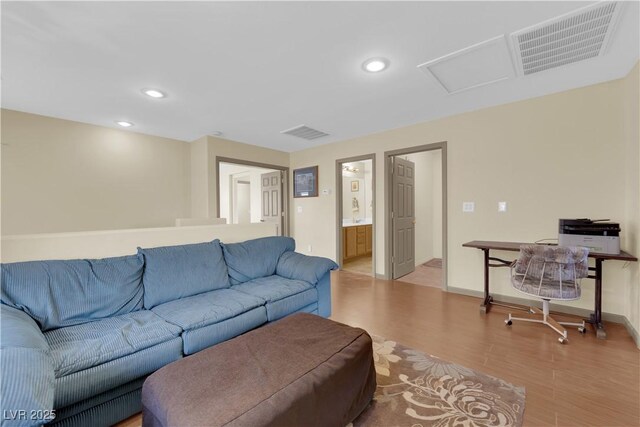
(326, 191)
(468, 206)
(502, 206)
(309, 249)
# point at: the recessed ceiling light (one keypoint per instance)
(154, 93)
(375, 65)
(124, 124)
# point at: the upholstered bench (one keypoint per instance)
(301, 370)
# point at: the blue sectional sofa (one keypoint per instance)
(80, 336)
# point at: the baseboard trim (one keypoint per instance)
(576, 311)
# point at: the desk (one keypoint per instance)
(595, 318)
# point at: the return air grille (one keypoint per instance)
(574, 37)
(305, 132)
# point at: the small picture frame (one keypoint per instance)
(355, 186)
(305, 182)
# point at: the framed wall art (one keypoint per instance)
(305, 182)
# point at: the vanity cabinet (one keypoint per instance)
(357, 240)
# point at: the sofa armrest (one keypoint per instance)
(311, 269)
(28, 378)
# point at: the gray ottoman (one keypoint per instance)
(303, 370)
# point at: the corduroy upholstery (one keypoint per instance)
(174, 272)
(282, 296)
(81, 347)
(71, 292)
(255, 258)
(76, 338)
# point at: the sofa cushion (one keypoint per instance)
(198, 339)
(80, 347)
(206, 309)
(293, 265)
(255, 258)
(283, 296)
(91, 382)
(174, 272)
(71, 292)
(26, 369)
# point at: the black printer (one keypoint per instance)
(598, 235)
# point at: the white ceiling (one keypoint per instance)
(252, 69)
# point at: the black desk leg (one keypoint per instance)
(596, 317)
(486, 304)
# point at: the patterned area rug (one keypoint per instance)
(417, 390)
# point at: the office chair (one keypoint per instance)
(549, 273)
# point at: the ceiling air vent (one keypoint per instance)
(304, 132)
(569, 38)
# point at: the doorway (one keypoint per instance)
(355, 214)
(249, 192)
(240, 207)
(416, 210)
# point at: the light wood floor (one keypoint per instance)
(586, 382)
(361, 265)
(425, 276)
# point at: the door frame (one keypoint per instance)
(339, 207)
(285, 225)
(388, 197)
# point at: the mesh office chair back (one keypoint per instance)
(549, 273)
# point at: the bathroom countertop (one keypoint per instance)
(350, 223)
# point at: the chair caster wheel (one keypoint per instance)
(562, 340)
(582, 329)
(508, 322)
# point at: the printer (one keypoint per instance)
(597, 235)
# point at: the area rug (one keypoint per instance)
(418, 390)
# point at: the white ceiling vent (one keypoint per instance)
(304, 132)
(471, 67)
(569, 38)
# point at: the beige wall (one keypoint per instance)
(59, 175)
(199, 178)
(630, 92)
(558, 156)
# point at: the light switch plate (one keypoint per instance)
(502, 206)
(299, 209)
(468, 206)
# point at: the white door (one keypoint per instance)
(404, 217)
(271, 190)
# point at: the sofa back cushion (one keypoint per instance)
(71, 292)
(174, 272)
(255, 258)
